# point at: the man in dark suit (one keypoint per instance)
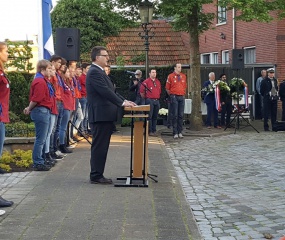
(102, 112)
(211, 102)
(269, 91)
(226, 102)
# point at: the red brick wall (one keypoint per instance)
(260, 35)
(280, 39)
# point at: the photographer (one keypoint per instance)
(135, 84)
(269, 91)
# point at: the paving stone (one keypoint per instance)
(237, 184)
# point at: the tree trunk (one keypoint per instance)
(195, 80)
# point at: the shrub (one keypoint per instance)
(19, 98)
(19, 159)
(20, 129)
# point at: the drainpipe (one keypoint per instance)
(234, 29)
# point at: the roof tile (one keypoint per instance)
(166, 46)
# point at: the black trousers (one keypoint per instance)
(269, 109)
(101, 135)
(226, 109)
(283, 111)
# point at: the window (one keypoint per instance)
(221, 14)
(215, 58)
(205, 58)
(209, 58)
(249, 55)
(225, 57)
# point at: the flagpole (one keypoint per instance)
(40, 30)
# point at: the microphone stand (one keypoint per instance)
(146, 88)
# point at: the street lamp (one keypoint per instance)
(146, 12)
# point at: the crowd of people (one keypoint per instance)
(68, 101)
(57, 98)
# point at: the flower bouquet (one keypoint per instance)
(224, 88)
(237, 87)
(163, 111)
(209, 89)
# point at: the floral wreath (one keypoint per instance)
(237, 86)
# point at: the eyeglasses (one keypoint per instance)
(104, 55)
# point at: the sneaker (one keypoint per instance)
(55, 156)
(71, 146)
(180, 135)
(41, 167)
(71, 141)
(50, 162)
(64, 149)
(175, 136)
(75, 139)
(59, 153)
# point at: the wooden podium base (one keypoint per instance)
(132, 182)
(138, 171)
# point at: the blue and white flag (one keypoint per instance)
(48, 46)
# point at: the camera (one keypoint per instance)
(131, 74)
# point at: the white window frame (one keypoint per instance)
(221, 15)
(249, 59)
(213, 58)
(225, 57)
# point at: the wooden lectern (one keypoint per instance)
(139, 147)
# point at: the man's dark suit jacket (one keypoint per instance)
(210, 97)
(102, 100)
(266, 86)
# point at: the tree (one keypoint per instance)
(188, 15)
(96, 19)
(19, 55)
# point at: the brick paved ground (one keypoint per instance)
(234, 183)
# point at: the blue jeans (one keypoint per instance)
(41, 118)
(83, 103)
(177, 109)
(169, 115)
(73, 118)
(153, 113)
(2, 137)
(79, 117)
(55, 130)
(51, 125)
(63, 126)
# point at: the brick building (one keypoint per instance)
(166, 47)
(263, 43)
